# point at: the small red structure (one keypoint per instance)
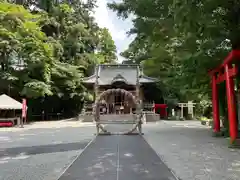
(6, 124)
(162, 108)
(225, 72)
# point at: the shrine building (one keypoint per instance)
(122, 76)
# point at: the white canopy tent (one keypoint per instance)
(8, 103)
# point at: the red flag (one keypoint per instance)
(24, 108)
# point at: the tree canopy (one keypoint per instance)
(46, 47)
(180, 41)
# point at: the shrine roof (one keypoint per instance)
(109, 74)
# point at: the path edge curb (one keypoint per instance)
(162, 159)
(77, 156)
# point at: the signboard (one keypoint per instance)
(24, 108)
(190, 107)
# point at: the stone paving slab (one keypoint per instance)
(118, 157)
(97, 162)
(191, 152)
(138, 161)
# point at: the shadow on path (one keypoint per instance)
(33, 150)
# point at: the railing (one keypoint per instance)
(89, 107)
(118, 119)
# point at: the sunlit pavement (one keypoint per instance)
(191, 152)
(42, 151)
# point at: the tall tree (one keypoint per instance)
(106, 51)
(47, 47)
(187, 38)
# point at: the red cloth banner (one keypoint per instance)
(24, 108)
(162, 108)
(6, 124)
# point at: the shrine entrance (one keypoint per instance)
(120, 117)
(226, 73)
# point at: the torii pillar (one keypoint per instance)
(231, 104)
(226, 72)
(215, 105)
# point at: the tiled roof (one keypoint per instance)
(110, 73)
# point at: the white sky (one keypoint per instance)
(117, 27)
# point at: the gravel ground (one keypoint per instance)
(191, 152)
(41, 151)
(43, 133)
(36, 167)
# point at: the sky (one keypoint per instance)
(117, 27)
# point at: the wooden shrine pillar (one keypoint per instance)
(231, 104)
(182, 111)
(96, 104)
(215, 104)
(138, 103)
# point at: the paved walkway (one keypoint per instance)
(118, 157)
(44, 150)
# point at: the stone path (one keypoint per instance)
(118, 157)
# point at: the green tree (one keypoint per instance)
(184, 39)
(46, 50)
(106, 51)
(22, 40)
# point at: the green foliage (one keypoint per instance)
(46, 50)
(22, 39)
(106, 49)
(180, 41)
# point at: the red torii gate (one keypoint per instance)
(225, 72)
